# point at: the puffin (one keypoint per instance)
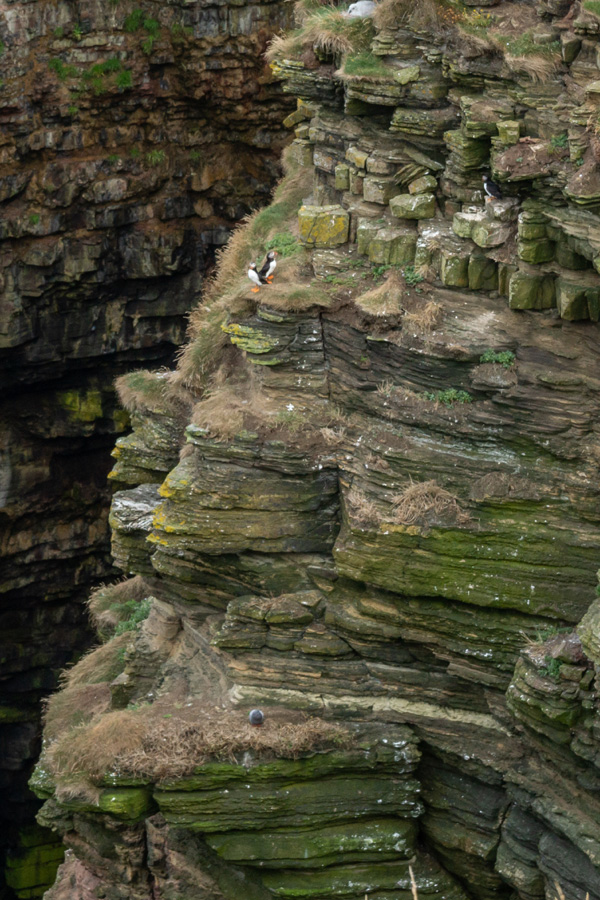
(491, 188)
(256, 717)
(270, 264)
(256, 278)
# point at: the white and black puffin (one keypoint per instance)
(491, 189)
(256, 278)
(268, 267)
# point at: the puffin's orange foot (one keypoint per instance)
(270, 280)
(255, 290)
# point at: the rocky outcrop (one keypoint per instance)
(133, 139)
(383, 525)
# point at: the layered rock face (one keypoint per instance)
(133, 138)
(375, 516)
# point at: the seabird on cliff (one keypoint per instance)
(256, 717)
(256, 278)
(270, 264)
(491, 188)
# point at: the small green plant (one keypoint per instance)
(195, 155)
(34, 219)
(73, 110)
(558, 142)
(579, 161)
(366, 65)
(411, 276)
(504, 358)
(134, 21)
(138, 611)
(449, 397)
(61, 70)
(124, 80)
(155, 157)
(148, 44)
(379, 271)
(284, 243)
(113, 158)
(544, 634)
(552, 668)
(151, 26)
(135, 152)
(59, 32)
(77, 32)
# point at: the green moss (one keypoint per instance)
(592, 6)
(126, 803)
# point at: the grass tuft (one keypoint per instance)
(422, 503)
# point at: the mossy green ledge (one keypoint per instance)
(524, 566)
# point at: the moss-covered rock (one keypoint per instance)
(323, 226)
(413, 206)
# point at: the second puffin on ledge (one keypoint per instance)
(264, 275)
(269, 266)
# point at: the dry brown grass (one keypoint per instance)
(325, 29)
(92, 749)
(333, 437)
(102, 600)
(383, 300)
(229, 406)
(161, 742)
(145, 391)
(100, 664)
(424, 318)
(74, 706)
(538, 68)
(362, 509)
(422, 502)
(422, 15)
(175, 747)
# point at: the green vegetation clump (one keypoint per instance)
(558, 142)
(592, 6)
(135, 152)
(524, 45)
(58, 32)
(180, 31)
(124, 80)
(77, 32)
(34, 219)
(62, 70)
(155, 157)
(2, 47)
(504, 358)
(411, 276)
(196, 155)
(284, 243)
(73, 110)
(365, 64)
(113, 158)
(134, 21)
(449, 397)
(138, 611)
